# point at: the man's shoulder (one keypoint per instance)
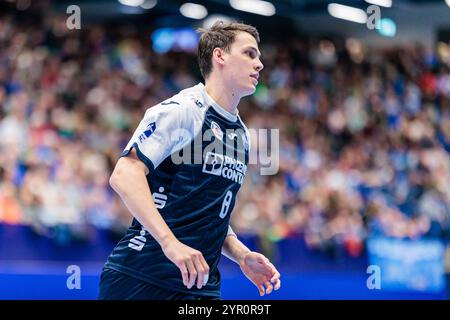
(189, 101)
(193, 97)
(186, 108)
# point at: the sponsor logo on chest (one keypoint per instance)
(225, 167)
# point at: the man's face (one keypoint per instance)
(242, 64)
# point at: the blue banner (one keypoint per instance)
(408, 265)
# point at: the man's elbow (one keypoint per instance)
(115, 179)
(126, 171)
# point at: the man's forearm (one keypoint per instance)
(234, 249)
(134, 191)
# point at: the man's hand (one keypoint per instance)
(191, 263)
(259, 270)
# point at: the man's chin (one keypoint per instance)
(249, 91)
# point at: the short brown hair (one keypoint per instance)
(220, 35)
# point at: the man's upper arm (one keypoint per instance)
(131, 161)
(162, 130)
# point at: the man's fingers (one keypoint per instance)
(200, 272)
(276, 274)
(205, 270)
(275, 277)
(272, 267)
(192, 273)
(205, 265)
(275, 280)
(184, 274)
(269, 287)
(261, 289)
(200, 280)
(277, 284)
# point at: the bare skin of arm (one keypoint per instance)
(129, 181)
(256, 267)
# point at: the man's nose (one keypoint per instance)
(259, 66)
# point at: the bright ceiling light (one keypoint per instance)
(381, 3)
(193, 10)
(387, 27)
(263, 8)
(347, 13)
(132, 3)
(148, 4)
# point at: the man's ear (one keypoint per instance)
(218, 56)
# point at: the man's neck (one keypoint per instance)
(227, 99)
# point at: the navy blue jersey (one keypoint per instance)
(197, 154)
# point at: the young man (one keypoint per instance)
(172, 249)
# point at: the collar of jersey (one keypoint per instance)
(210, 101)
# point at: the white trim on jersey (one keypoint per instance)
(210, 101)
(231, 232)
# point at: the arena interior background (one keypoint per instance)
(363, 188)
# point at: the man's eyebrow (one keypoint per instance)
(254, 49)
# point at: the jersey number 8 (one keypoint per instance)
(226, 204)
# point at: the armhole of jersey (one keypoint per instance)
(148, 163)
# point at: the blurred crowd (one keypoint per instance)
(364, 133)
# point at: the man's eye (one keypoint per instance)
(250, 54)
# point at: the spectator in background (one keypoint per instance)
(364, 137)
